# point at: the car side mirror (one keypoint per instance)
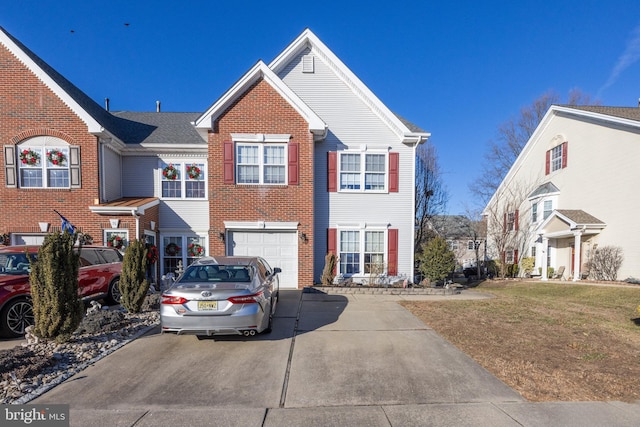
(277, 270)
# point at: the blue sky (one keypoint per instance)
(457, 69)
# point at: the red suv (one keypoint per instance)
(98, 278)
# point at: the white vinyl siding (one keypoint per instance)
(353, 126)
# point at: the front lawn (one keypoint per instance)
(549, 341)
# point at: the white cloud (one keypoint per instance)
(630, 55)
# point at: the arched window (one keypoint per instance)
(47, 162)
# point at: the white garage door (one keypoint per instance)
(279, 248)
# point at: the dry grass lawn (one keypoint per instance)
(548, 341)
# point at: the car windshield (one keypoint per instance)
(217, 273)
(15, 263)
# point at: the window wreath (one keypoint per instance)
(56, 157)
(193, 171)
(152, 254)
(115, 241)
(29, 157)
(170, 172)
(195, 250)
(172, 249)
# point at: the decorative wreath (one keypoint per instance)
(152, 254)
(172, 249)
(29, 157)
(170, 172)
(56, 157)
(4, 239)
(193, 171)
(115, 241)
(195, 250)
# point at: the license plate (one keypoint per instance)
(207, 305)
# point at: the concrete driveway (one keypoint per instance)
(331, 360)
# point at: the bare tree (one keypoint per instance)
(430, 194)
(511, 138)
(476, 229)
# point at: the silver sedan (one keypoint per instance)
(222, 296)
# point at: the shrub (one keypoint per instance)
(57, 309)
(436, 260)
(605, 263)
(527, 264)
(133, 280)
(330, 261)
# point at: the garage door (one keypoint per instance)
(279, 248)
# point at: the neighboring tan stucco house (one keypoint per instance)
(296, 159)
(571, 191)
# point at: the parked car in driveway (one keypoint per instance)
(98, 278)
(222, 296)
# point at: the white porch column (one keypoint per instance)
(576, 255)
(545, 248)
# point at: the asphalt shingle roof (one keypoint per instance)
(630, 113)
(159, 127)
(579, 216)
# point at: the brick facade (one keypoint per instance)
(261, 110)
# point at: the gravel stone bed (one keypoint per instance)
(31, 369)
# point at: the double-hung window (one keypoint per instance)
(183, 180)
(43, 165)
(548, 207)
(534, 213)
(374, 252)
(261, 163)
(362, 251)
(556, 158)
(363, 171)
(349, 252)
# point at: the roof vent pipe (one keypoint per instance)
(106, 104)
(157, 106)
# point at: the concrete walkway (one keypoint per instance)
(332, 360)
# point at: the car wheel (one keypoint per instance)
(15, 317)
(114, 296)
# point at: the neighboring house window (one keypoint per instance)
(363, 251)
(548, 208)
(511, 221)
(473, 245)
(183, 180)
(43, 162)
(351, 171)
(509, 256)
(264, 164)
(534, 213)
(556, 158)
(182, 249)
(452, 244)
(533, 251)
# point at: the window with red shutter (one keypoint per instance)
(293, 160)
(332, 171)
(392, 260)
(228, 159)
(394, 172)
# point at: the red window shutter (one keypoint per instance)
(394, 172)
(503, 257)
(228, 163)
(294, 169)
(564, 154)
(332, 240)
(515, 220)
(515, 256)
(547, 165)
(392, 262)
(332, 171)
(504, 223)
(332, 243)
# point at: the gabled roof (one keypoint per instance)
(626, 116)
(96, 118)
(406, 132)
(571, 220)
(257, 72)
